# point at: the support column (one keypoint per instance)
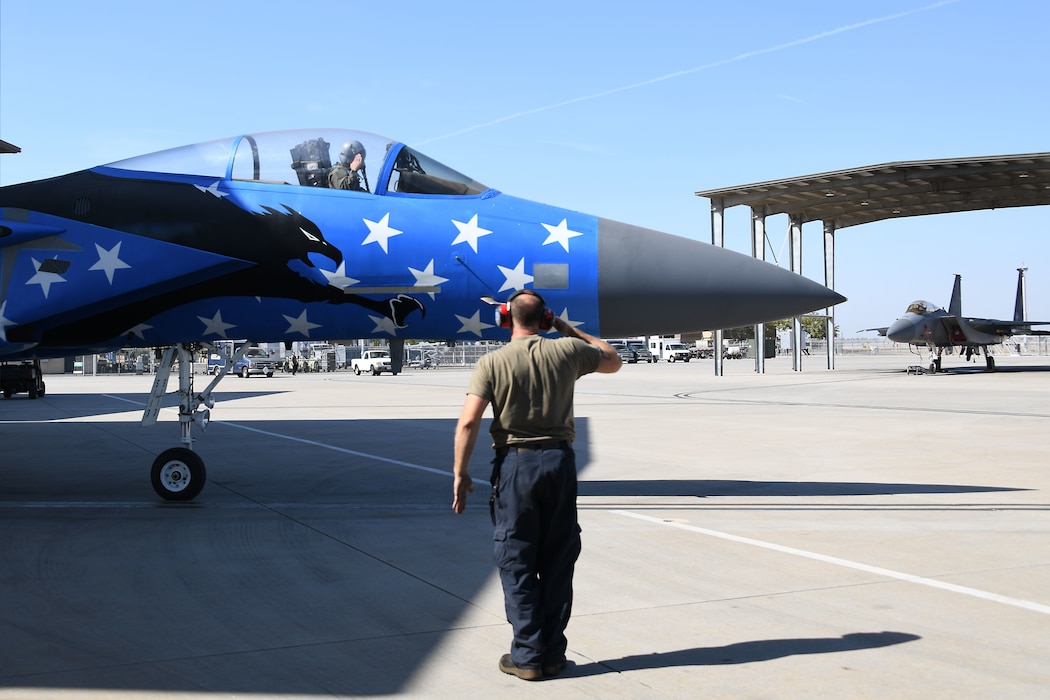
(758, 250)
(1021, 302)
(718, 239)
(397, 355)
(795, 224)
(829, 282)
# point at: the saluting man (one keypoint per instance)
(530, 383)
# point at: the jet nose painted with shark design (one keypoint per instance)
(269, 238)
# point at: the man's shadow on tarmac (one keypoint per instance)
(743, 652)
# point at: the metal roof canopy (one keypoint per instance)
(908, 188)
(843, 198)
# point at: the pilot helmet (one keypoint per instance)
(349, 150)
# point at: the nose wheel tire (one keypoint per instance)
(178, 474)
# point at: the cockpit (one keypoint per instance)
(922, 308)
(307, 158)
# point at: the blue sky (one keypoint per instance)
(618, 109)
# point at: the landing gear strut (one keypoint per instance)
(178, 473)
(935, 363)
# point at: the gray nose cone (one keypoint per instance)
(903, 330)
(652, 283)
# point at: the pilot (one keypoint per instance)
(349, 172)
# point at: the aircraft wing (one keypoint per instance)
(1002, 327)
(880, 331)
(55, 270)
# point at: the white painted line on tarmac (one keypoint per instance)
(879, 571)
(314, 443)
(342, 450)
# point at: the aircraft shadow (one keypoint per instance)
(744, 652)
(999, 369)
(341, 563)
(87, 405)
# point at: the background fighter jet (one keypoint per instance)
(925, 324)
(243, 238)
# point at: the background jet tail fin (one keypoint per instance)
(955, 305)
(1020, 312)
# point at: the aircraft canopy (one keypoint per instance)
(305, 157)
(922, 307)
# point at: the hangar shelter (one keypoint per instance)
(854, 196)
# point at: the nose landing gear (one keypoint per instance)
(178, 473)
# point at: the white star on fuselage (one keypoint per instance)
(300, 324)
(560, 234)
(380, 232)
(427, 278)
(564, 316)
(139, 330)
(383, 325)
(473, 324)
(339, 278)
(215, 324)
(213, 189)
(4, 322)
(516, 278)
(109, 261)
(470, 232)
(44, 279)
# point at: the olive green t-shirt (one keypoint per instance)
(530, 384)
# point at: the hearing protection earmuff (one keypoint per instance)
(503, 311)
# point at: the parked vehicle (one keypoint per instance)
(703, 352)
(641, 353)
(217, 360)
(626, 354)
(669, 349)
(255, 361)
(16, 377)
(735, 352)
(374, 361)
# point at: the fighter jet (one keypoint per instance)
(943, 332)
(330, 234)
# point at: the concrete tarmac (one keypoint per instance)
(856, 533)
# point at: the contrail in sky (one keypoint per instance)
(697, 69)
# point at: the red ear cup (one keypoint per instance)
(548, 320)
(503, 315)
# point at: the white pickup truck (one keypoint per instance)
(374, 361)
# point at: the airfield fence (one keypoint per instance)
(1016, 346)
(435, 355)
(444, 356)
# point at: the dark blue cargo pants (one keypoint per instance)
(537, 542)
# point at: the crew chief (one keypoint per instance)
(530, 384)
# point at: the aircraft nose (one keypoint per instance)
(903, 330)
(653, 283)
